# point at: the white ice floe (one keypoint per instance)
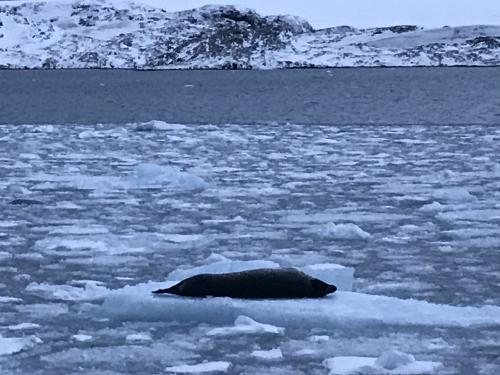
(220, 366)
(272, 354)
(143, 176)
(4, 299)
(23, 326)
(243, 325)
(81, 337)
(89, 290)
(390, 362)
(453, 194)
(341, 308)
(11, 345)
(340, 276)
(342, 231)
(157, 125)
(432, 207)
(153, 174)
(138, 337)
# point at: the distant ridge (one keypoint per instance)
(122, 34)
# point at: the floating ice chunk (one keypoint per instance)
(23, 326)
(66, 205)
(390, 362)
(4, 299)
(138, 337)
(340, 276)
(268, 354)
(153, 174)
(343, 231)
(486, 215)
(453, 194)
(180, 238)
(393, 359)
(40, 310)
(29, 156)
(319, 338)
(432, 207)
(246, 325)
(158, 125)
(220, 366)
(91, 290)
(341, 308)
(79, 230)
(163, 352)
(81, 337)
(11, 345)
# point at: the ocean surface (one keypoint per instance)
(294, 167)
(332, 96)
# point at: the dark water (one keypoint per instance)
(334, 96)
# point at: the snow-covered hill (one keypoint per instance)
(119, 34)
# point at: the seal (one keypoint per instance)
(253, 284)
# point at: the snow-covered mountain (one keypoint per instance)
(119, 34)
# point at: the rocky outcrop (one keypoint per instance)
(117, 34)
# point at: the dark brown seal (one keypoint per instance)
(253, 284)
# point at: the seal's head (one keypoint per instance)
(322, 288)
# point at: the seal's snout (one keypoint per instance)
(332, 289)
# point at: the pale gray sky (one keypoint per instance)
(363, 13)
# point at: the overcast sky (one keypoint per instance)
(363, 13)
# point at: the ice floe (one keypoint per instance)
(81, 337)
(342, 231)
(341, 308)
(90, 290)
(243, 325)
(272, 354)
(11, 345)
(23, 326)
(216, 366)
(389, 362)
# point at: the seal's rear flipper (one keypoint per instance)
(171, 290)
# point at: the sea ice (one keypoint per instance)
(341, 308)
(90, 290)
(153, 174)
(453, 194)
(390, 362)
(220, 366)
(23, 326)
(138, 337)
(268, 354)
(81, 337)
(342, 231)
(157, 125)
(246, 325)
(11, 345)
